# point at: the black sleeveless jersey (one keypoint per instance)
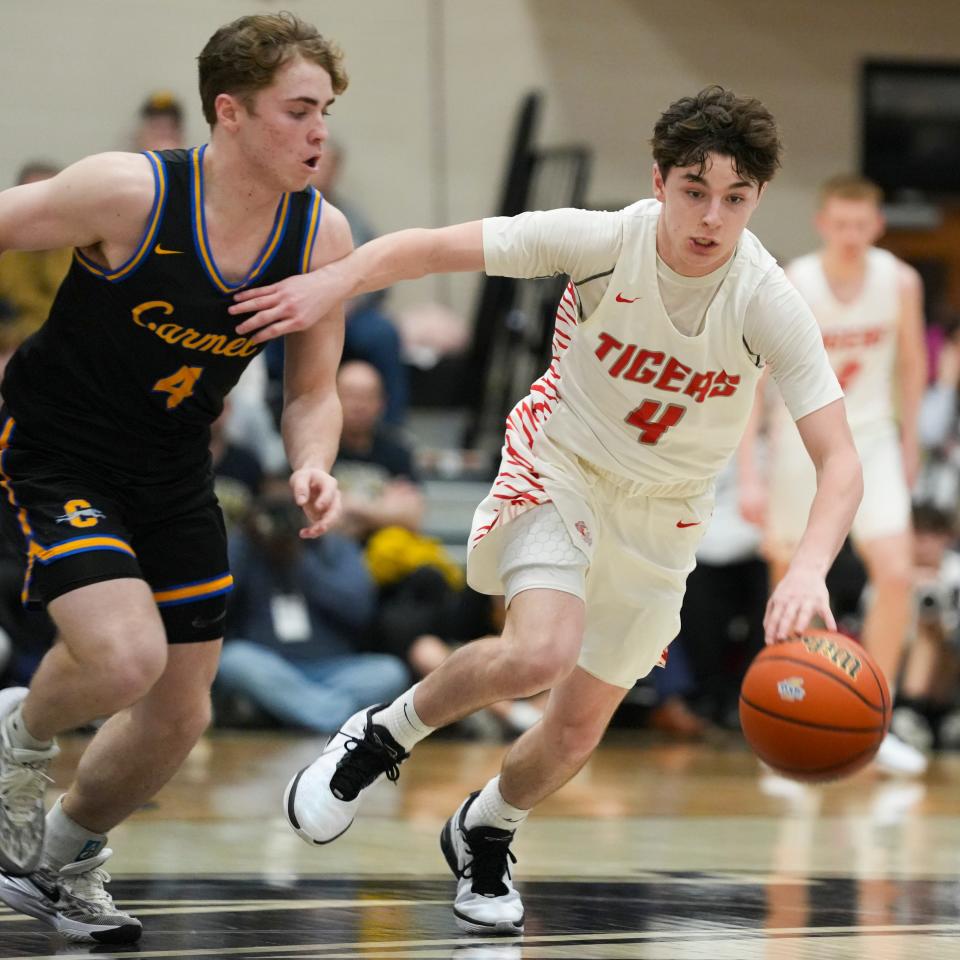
(133, 364)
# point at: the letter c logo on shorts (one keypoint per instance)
(79, 513)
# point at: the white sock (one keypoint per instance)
(19, 735)
(66, 841)
(402, 721)
(491, 810)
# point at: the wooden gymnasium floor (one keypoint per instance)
(654, 851)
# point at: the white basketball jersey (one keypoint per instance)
(860, 336)
(633, 396)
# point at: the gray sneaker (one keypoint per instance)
(23, 783)
(74, 901)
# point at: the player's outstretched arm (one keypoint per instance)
(312, 418)
(297, 303)
(802, 593)
(102, 199)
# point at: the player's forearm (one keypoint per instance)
(839, 490)
(408, 255)
(311, 426)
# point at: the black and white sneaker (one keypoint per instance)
(321, 801)
(486, 900)
(23, 783)
(72, 900)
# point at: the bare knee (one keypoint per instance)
(532, 664)
(178, 722)
(573, 740)
(128, 670)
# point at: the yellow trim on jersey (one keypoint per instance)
(311, 231)
(83, 543)
(200, 233)
(194, 591)
(147, 241)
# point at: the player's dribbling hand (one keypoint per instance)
(800, 595)
(291, 305)
(316, 493)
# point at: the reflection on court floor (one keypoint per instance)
(654, 851)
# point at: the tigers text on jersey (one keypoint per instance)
(860, 336)
(626, 391)
(133, 364)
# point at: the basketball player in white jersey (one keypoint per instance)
(869, 308)
(607, 474)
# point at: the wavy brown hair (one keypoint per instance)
(718, 121)
(245, 55)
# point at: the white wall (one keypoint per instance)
(73, 73)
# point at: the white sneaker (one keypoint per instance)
(72, 900)
(23, 784)
(321, 801)
(912, 728)
(899, 758)
(486, 900)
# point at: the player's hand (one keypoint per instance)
(316, 493)
(798, 597)
(289, 306)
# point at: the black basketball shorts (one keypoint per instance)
(80, 525)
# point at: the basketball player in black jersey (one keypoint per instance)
(105, 471)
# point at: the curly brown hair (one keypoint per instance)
(243, 57)
(718, 121)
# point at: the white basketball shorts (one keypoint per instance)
(625, 554)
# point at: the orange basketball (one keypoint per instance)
(815, 708)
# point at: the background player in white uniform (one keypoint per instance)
(608, 466)
(869, 308)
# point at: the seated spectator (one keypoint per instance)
(370, 334)
(423, 616)
(294, 621)
(238, 475)
(160, 124)
(375, 470)
(927, 689)
(29, 279)
(252, 424)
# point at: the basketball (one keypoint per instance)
(815, 708)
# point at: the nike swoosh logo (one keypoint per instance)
(161, 252)
(622, 299)
(694, 523)
(199, 624)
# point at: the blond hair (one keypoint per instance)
(850, 187)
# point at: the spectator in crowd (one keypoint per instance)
(422, 606)
(238, 474)
(160, 125)
(928, 680)
(298, 611)
(29, 279)
(370, 334)
(424, 614)
(374, 469)
(251, 423)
